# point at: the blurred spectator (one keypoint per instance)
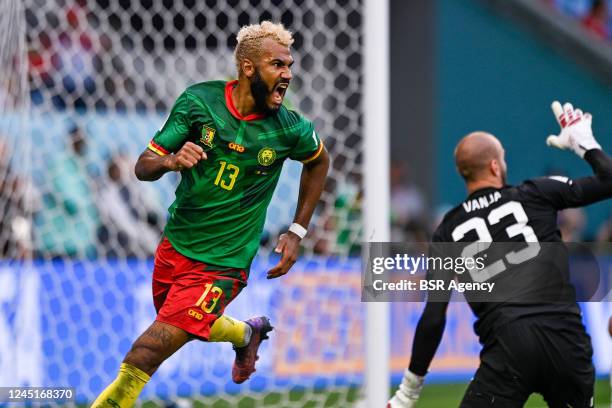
(593, 14)
(323, 235)
(68, 221)
(409, 218)
(338, 227)
(73, 58)
(15, 223)
(10, 93)
(348, 215)
(597, 19)
(604, 234)
(65, 68)
(131, 226)
(574, 8)
(40, 68)
(571, 222)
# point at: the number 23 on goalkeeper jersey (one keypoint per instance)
(220, 207)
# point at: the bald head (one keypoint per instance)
(479, 156)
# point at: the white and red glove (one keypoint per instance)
(408, 392)
(576, 133)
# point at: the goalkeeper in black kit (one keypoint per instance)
(528, 347)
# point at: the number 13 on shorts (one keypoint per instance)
(208, 305)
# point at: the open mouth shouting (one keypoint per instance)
(279, 92)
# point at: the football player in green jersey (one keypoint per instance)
(229, 141)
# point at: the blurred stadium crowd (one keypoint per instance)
(86, 215)
(593, 15)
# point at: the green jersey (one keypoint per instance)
(220, 207)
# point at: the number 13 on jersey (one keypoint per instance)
(228, 180)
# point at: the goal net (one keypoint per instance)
(89, 83)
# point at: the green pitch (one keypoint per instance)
(433, 396)
(298, 398)
(449, 395)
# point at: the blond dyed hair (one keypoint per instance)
(250, 39)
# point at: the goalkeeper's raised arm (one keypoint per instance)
(576, 135)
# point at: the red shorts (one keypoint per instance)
(190, 294)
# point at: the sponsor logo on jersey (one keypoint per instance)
(195, 314)
(266, 156)
(208, 134)
(236, 147)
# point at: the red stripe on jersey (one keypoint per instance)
(158, 149)
(230, 104)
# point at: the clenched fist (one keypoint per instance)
(188, 156)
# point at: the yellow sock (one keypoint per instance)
(124, 391)
(229, 329)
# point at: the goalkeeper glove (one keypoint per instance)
(408, 392)
(576, 133)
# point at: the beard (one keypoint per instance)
(261, 92)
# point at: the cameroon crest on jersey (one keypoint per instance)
(208, 134)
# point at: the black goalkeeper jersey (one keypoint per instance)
(537, 280)
(534, 280)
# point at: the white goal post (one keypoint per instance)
(376, 97)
